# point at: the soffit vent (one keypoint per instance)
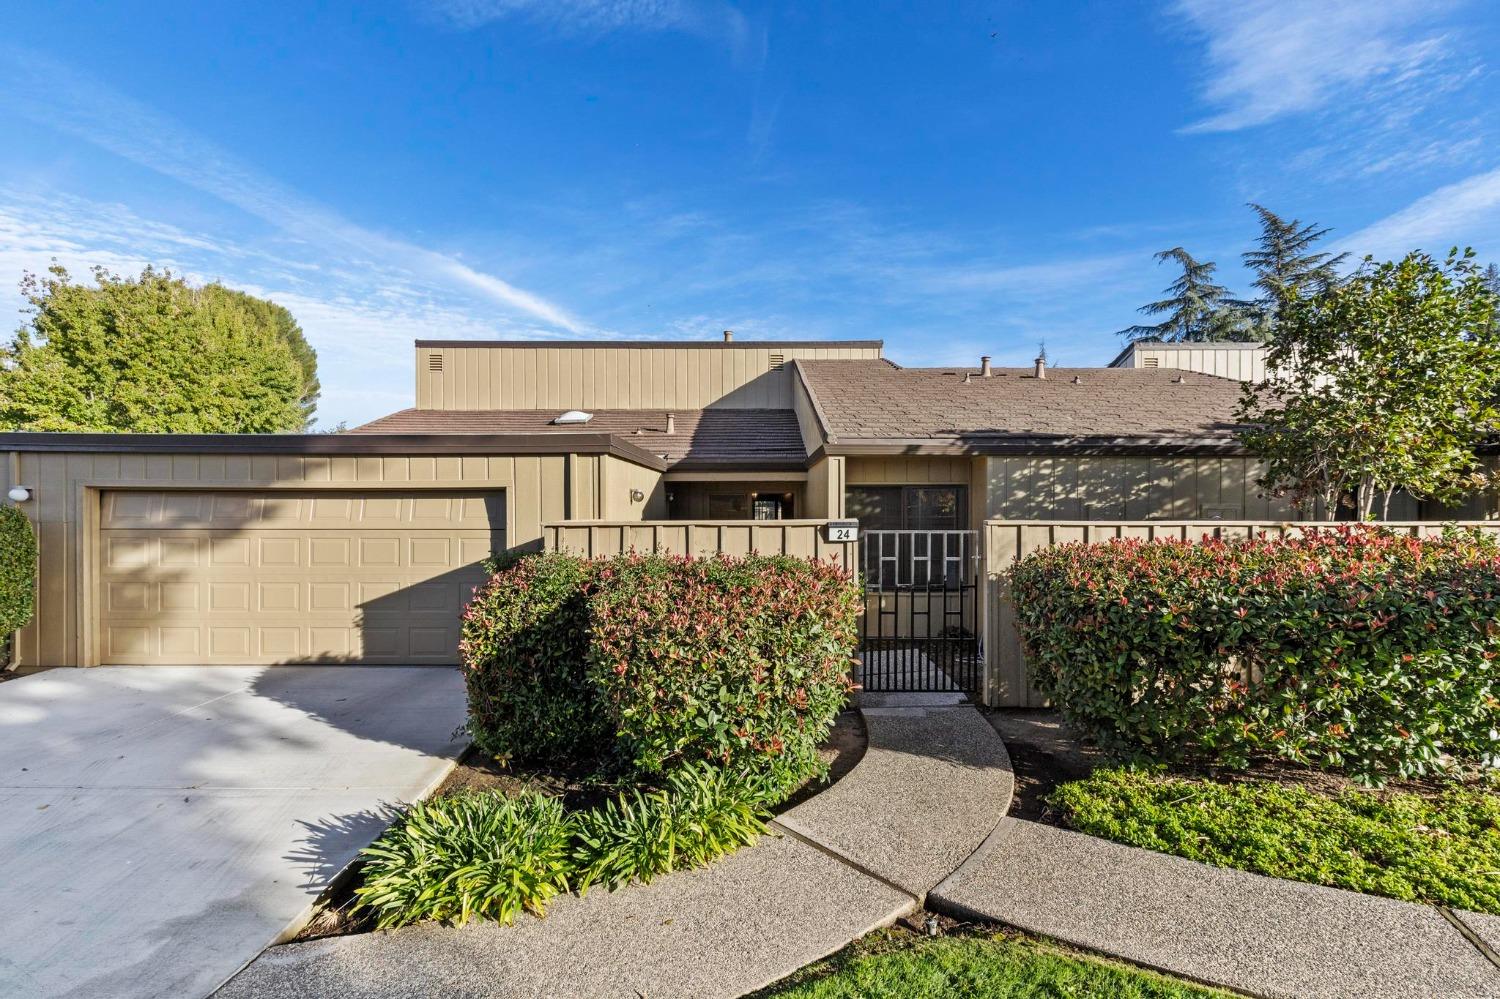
(1150, 362)
(778, 361)
(434, 362)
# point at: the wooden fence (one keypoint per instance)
(700, 539)
(1007, 683)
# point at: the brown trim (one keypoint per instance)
(334, 444)
(671, 344)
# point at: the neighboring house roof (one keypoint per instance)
(875, 401)
(700, 438)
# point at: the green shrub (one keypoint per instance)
(478, 854)
(1443, 850)
(525, 653)
(743, 661)
(17, 571)
(1351, 648)
(702, 813)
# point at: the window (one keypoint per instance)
(908, 508)
(917, 559)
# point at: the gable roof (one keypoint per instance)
(877, 401)
(701, 438)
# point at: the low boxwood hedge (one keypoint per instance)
(17, 571)
(1350, 648)
(645, 663)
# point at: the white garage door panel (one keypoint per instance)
(241, 577)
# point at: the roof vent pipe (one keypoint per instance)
(984, 366)
(671, 423)
(728, 335)
(1041, 367)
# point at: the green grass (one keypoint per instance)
(897, 966)
(1440, 850)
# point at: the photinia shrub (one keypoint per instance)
(1350, 648)
(525, 653)
(17, 571)
(742, 661)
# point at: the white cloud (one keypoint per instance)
(1463, 213)
(1272, 58)
(699, 17)
(86, 109)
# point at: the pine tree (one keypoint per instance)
(1197, 310)
(1283, 266)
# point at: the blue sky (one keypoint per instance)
(957, 178)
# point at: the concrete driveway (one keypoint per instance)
(160, 826)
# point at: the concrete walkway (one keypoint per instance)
(929, 790)
(1259, 935)
(160, 826)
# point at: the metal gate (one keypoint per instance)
(921, 611)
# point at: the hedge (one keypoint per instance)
(1349, 648)
(651, 662)
(17, 570)
(525, 647)
(744, 661)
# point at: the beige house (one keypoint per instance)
(364, 546)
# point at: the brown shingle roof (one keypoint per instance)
(874, 399)
(701, 436)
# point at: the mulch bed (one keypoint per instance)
(476, 771)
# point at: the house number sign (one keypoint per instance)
(843, 530)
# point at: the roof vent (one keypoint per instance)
(984, 366)
(1077, 380)
(728, 335)
(1150, 362)
(778, 361)
(671, 424)
(1041, 367)
(434, 362)
(573, 416)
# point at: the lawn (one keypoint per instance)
(1439, 848)
(895, 965)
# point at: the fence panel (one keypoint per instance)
(1008, 682)
(700, 538)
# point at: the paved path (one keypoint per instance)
(160, 826)
(930, 788)
(1263, 936)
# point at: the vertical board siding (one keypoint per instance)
(571, 377)
(1008, 682)
(699, 539)
(536, 487)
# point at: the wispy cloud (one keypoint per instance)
(1268, 59)
(72, 103)
(1463, 213)
(699, 17)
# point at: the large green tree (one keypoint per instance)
(1196, 309)
(1285, 266)
(1385, 382)
(154, 354)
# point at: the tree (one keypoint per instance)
(1197, 309)
(1283, 267)
(1492, 282)
(1388, 381)
(154, 355)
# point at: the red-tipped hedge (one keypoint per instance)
(744, 661)
(653, 661)
(1348, 648)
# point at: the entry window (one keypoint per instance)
(772, 506)
(908, 508)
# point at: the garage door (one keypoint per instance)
(282, 577)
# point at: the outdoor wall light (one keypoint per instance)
(19, 494)
(636, 495)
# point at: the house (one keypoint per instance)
(363, 546)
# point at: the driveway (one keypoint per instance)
(160, 826)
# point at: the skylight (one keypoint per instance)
(574, 416)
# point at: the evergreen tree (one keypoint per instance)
(1197, 310)
(154, 355)
(1283, 266)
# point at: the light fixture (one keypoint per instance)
(636, 495)
(19, 494)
